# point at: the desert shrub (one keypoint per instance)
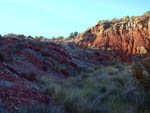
(99, 22)
(147, 13)
(18, 47)
(53, 63)
(31, 76)
(115, 20)
(119, 67)
(118, 80)
(141, 72)
(109, 70)
(92, 87)
(40, 109)
(60, 37)
(29, 37)
(2, 57)
(36, 38)
(11, 35)
(53, 38)
(22, 36)
(73, 34)
(118, 106)
(126, 17)
(86, 107)
(2, 108)
(106, 21)
(101, 91)
(50, 85)
(75, 102)
(90, 93)
(73, 98)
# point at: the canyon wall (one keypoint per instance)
(126, 36)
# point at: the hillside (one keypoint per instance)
(98, 72)
(126, 36)
(23, 62)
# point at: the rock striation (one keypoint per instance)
(126, 37)
(23, 63)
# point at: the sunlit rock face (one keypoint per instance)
(127, 36)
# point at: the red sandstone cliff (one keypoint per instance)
(127, 36)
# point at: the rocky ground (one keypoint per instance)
(98, 72)
(23, 62)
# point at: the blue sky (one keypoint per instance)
(60, 17)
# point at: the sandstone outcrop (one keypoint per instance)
(126, 37)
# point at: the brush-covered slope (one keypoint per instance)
(24, 62)
(57, 76)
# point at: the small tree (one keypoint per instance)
(53, 38)
(99, 22)
(147, 13)
(41, 37)
(60, 37)
(126, 17)
(76, 34)
(30, 37)
(21, 36)
(115, 20)
(73, 34)
(106, 21)
(36, 38)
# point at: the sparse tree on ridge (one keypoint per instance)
(73, 34)
(36, 38)
(147, 13)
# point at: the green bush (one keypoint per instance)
(2, 57)
(60, 37)
(109, 70)
(36, 38)
(126, 17)
(147, 13)
(40, 109)
(115, 20)
(73, 35)
(20, 46)
(2, 108)
(99, 22)
(141, 72)
(106, 21)
(99, 92)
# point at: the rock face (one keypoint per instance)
(24, 61)
(126, 37)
